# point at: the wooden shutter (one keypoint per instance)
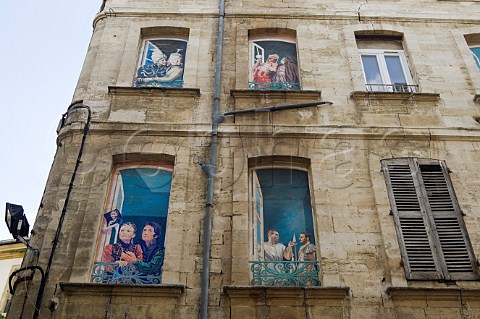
(417, 247)
(432, 236)
(441, 202)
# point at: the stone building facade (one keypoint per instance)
(384, 177)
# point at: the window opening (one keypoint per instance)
(284, 251)
(274, 63)
(162, 63)
(132, 237)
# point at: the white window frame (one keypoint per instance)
(387, 85)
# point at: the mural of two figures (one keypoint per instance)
(131, 246)
(281, 213)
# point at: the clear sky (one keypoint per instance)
(43, 45)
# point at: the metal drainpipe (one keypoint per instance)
(211, 168)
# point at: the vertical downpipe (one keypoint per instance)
(212, 168)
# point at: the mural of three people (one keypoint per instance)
(126, 252)
(274, 66)
(162, 64)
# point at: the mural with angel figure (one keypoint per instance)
(161, 63)
(274, 64)
(283, 250)
(132, 236)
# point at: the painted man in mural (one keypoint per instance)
(116, 252)
(153, 253)
(158, 69)
(306, 252)
(287, 71)
(275, 251)
(265, 72)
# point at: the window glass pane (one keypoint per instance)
(371, 69)
(395, 69)
(476, 55)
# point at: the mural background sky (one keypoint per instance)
(42, 49)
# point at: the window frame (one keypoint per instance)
(428, 253)
(387, 85)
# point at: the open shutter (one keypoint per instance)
(456, 251)
(411, 222)
(257, 219)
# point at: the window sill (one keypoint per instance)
(359, 96)
(421, 293)
(152, 291)
(273, 94)
(312, 295)
(153, 91)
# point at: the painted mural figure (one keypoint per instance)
(287, 71)
(153, 253)
(113, 217)
(115, 252)
(265, 72)
(306, 252)
(275, 251)
(162, 63)
(156, 70)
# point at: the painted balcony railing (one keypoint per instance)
(113, 273)
(285, 273)
(274, 86)
(396, 87)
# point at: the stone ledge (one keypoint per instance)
(73, 288)
(153, 91)
(439, 293)
(394, 96)
(257, 94)
(249, 292)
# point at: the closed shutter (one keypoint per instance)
(447, 218)
(431, 233)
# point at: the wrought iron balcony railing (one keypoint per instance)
(396, 87)
(113, 273)
(274, 86)
(285, 273)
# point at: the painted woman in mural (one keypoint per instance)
(115, 252)
(287, 71)
(264, 72)
(153, 253)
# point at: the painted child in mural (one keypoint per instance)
(153, 253)
(287, 71)
(113, 217)
(265, 72)
(116, 252)
(275, 251)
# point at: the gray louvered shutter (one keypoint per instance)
(411, 221)
(455, 250)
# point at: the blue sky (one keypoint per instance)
(43, 45)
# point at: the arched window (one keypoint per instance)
(132, 236)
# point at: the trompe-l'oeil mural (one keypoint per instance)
(131, 245)
(281, 213)
(162, 63)
(274, 64)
